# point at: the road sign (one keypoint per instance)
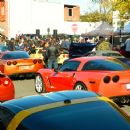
(74, 28)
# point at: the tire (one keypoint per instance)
(80, 86)
(39, 84)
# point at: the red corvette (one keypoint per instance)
(104, 75)
(17, 63)
(7, 91)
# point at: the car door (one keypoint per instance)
(64, 78)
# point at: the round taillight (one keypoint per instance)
(40, 61)
(6, 81)
(34, 61)
(115, 78)
(9, 63)
(14, 62)
(107, 79)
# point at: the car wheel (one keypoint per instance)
(39, 84)
(80, 86)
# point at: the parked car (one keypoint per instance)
(109, 53)
(65, 110)
(38, 53)
(64, 55)
(115, 54)
(107, 76)
(7, 91)
(17, 63)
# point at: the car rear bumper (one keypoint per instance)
(22, 75)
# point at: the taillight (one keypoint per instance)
(115, 78)
(5, 81)
(39, 61)
(35, 61)
(107, 79)
(14, 62)
(9, 63)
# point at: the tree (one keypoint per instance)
(111, 5)
(91, 17)
(103, 5)
(96, 17)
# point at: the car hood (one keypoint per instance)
(79, 49)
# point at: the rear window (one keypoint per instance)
(15, 55)
(101, 64)
(96, 115)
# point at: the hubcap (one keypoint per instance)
(79, 87)
(39, 84)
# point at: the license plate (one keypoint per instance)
(128, 86)
(24, 67)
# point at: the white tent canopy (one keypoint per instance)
(104, 29)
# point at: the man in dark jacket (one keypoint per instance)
(52, 54)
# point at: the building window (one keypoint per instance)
(70, 12)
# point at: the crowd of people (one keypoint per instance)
(53, 46)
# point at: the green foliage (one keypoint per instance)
(96, 17)
(108, 6)
(123, 6)
(91, 17)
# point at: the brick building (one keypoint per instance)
(71, 13)
(4, 17)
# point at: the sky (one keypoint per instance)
(85, 5)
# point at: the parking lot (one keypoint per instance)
(26, 88)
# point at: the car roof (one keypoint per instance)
(91, 58)
(63, 106)
(19, 104)
(27, 102)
